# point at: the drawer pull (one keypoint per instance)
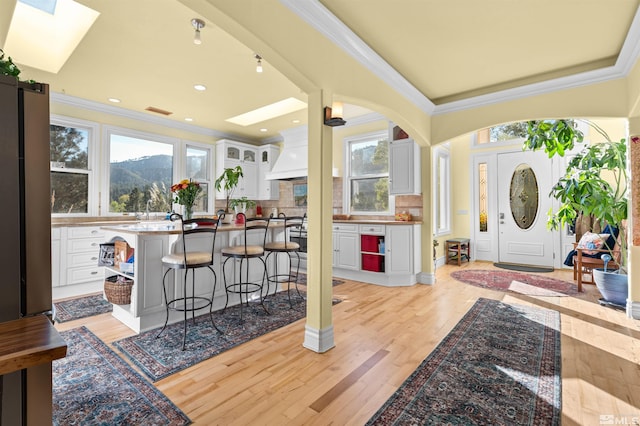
(94, 232)
(94, 273)
(94, 244)
(94, 258)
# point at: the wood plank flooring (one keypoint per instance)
(381, 335)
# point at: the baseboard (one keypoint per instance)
(319, 341)
(426, 278)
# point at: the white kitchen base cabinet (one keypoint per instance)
(386, 255)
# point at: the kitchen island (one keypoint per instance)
(151, 241)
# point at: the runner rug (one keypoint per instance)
(92, 385)
(517, 282)
(81, 307)
(162, 356)
(500, 365)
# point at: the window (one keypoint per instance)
(441, 190)
(367, 180)
(72, 157)
(141, 171)
(198, 169)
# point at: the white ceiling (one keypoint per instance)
(445, 52)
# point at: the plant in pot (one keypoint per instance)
(227, 182)
(594, 184)
(241, 205)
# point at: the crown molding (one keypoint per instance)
(63, 99)
(320, 18)
(326, 23)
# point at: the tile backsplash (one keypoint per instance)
(410, 203)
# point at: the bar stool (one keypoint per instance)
(254, 235)
(196, 234)
(293, 225)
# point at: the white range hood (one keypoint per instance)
(292, 163)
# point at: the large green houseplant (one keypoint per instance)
(227, 183)
(595, 181)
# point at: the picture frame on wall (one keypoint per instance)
(300, 195)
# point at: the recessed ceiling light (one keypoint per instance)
(188, 119)
(263, 130)
(295, 121)
(114, 100)
(266, 112)
(200, 87)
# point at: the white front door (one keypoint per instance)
(525, 180)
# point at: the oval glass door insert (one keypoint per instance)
(524, 196)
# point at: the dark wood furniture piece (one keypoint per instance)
(31, 342)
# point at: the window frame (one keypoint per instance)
(107, 132)
(346, 202)
(182, 166)
(93, 130)
(442, 194)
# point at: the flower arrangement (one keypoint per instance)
(187, 192)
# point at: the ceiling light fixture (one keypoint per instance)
(114, 100)
(259, 65)
(200, 87)
(333, 115)
(197, 24)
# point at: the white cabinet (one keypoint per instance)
(267, 189)
(399, 249)
(55, 256)
(230, 154)
(82, 251)
(345, 246)
(385, 254)
(404, 167)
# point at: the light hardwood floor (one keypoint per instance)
(381, 335)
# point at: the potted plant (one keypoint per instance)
(594, 184)
(241, 205)
(227, 183)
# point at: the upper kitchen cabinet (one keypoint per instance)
(404, 167)
(230, 154)
(267, 189)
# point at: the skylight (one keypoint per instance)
(44, 33)
(267, 112)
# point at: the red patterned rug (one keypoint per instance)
(517, 282)
(500, 365)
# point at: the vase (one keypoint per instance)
(188, 212)
(613, 286)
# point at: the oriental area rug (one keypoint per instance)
(92, 385)
(162, 356)
(81, 307)
(517, 282)
(500, 365)
(302, 280)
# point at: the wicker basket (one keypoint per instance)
(117, 289)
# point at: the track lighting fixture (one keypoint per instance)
(259, 64)
(197, 24)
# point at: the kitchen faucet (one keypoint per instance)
(147, 209)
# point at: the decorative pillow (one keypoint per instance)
(592, 242)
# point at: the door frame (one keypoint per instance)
(486, 244)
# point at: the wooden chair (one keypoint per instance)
(584, 265)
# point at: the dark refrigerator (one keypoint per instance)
(25, 237)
